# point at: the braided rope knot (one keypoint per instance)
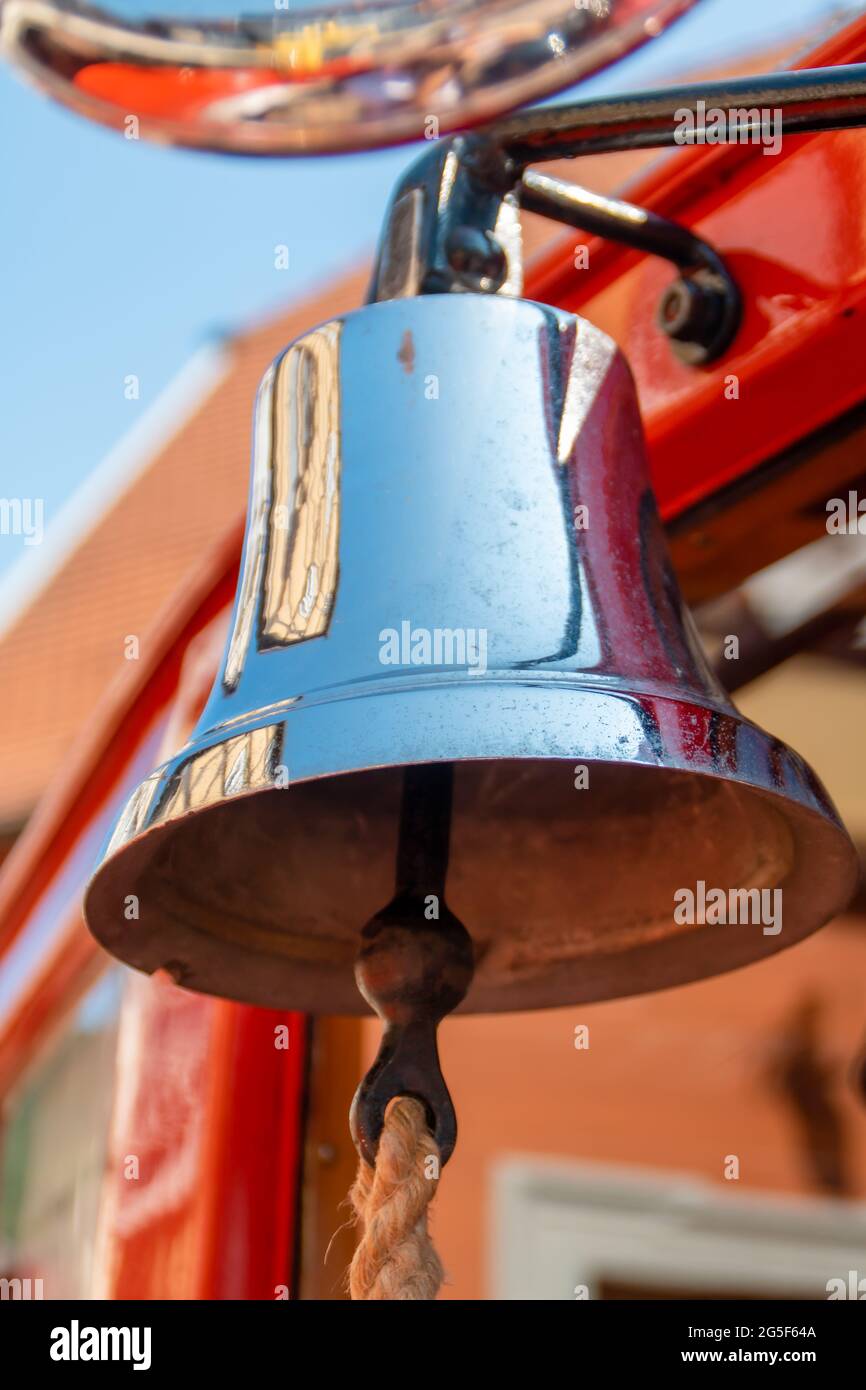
(395, 1257)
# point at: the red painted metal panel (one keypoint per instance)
(201, 1197)
(793, 228)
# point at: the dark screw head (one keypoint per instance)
(686, 311)
(477, 257)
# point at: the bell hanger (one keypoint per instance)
(376, 808)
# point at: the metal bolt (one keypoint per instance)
(477, 257)
(687, 311)
(699, 315)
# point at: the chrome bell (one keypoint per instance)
(453, 555)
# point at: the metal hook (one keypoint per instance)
(701, 311)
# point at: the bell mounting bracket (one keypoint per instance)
(453, 221)
(453, 226)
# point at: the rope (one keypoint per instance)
(395, 1257)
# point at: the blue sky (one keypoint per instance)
(121, 258)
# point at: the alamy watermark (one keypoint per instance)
(434, 646)
(853, 1287)
(732, 906)
(23, 516)
(846, 516)
(21, 1289)
(77, 1343)
(740, 125)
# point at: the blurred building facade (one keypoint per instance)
(705, 1141)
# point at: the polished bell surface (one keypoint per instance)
(453, 555)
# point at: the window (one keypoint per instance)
(53, 1145)
(570, 1230)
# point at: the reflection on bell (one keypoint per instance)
(453, 555)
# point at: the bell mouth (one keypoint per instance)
(580, 877)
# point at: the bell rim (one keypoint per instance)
(821, 838)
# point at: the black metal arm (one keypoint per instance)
(809, 100)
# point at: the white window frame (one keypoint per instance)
(557, 1226)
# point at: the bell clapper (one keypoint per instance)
(414, 967)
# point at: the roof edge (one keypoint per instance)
(103, 487)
